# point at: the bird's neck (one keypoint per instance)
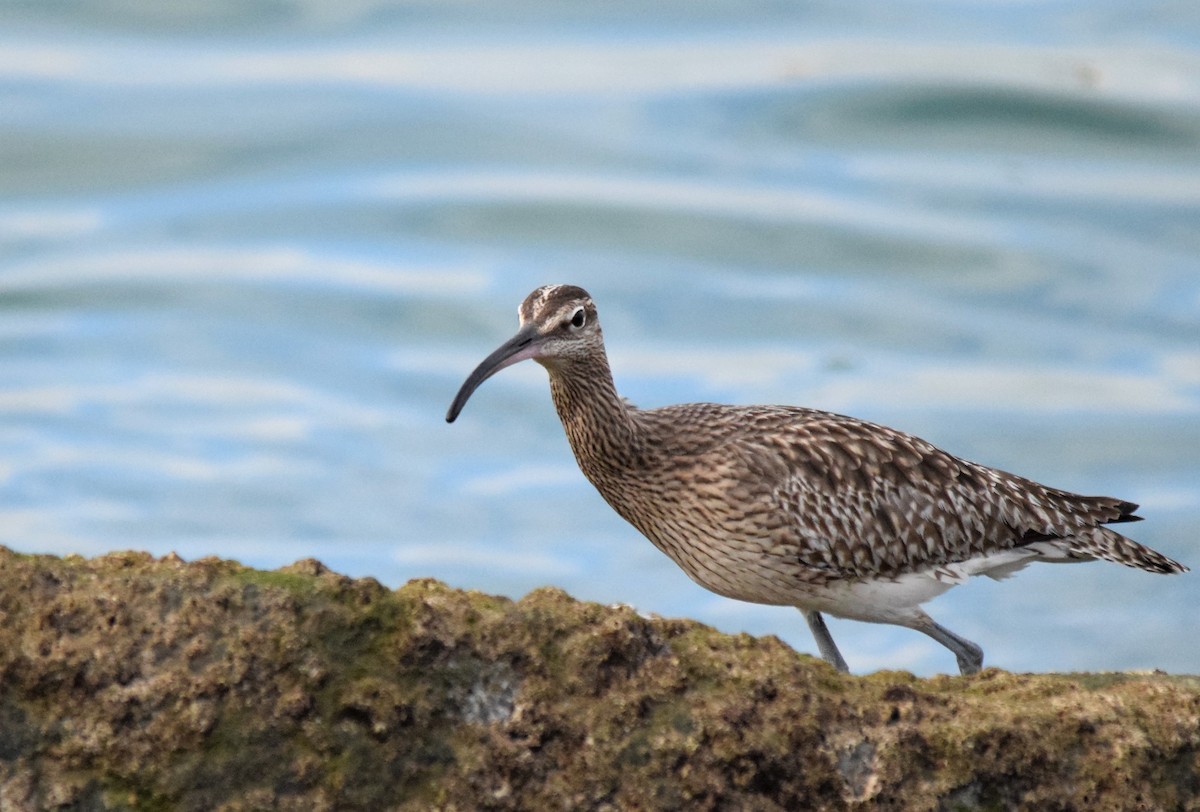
(600, 425)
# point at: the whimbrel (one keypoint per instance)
(798, 507)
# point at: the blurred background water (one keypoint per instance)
(248, 251)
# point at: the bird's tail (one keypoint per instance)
(1101, 542)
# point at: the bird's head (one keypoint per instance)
(558, 326)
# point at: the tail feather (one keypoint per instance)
(1126, 513)
(1039, 512)
(1109, 545)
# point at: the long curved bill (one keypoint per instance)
(518, 348)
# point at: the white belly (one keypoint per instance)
(894, 599)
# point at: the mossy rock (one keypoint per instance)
(128, 682)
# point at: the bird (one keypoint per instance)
(794, 506)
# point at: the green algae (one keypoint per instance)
(292, 582)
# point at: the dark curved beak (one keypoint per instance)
(521, 346)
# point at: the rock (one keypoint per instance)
(133, 683)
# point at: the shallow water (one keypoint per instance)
(249, 251)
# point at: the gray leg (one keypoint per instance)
(825, 645)
(969, 655)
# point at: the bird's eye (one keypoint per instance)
(577, 318)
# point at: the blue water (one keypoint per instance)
(248, 251)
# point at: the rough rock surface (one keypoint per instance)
(133, 683)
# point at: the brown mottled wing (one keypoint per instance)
(868, 500)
